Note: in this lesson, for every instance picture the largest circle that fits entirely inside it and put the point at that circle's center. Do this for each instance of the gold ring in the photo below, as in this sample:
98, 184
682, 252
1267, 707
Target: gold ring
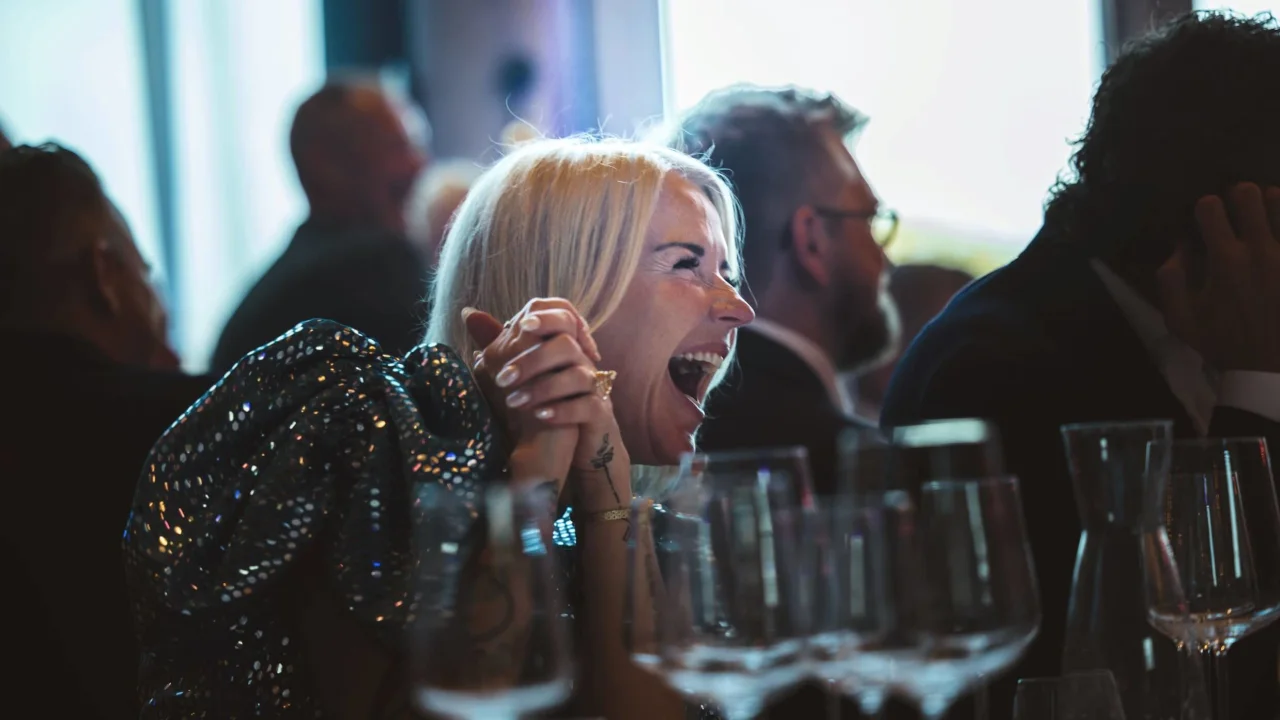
604, 383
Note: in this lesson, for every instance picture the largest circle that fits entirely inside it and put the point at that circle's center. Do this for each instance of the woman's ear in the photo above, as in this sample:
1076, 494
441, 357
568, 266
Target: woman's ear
810, 245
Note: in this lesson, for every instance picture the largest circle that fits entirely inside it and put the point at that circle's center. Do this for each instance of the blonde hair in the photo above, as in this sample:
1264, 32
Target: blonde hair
560, 218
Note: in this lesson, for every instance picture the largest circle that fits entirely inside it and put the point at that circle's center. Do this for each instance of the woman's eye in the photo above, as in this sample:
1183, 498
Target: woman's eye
689, 263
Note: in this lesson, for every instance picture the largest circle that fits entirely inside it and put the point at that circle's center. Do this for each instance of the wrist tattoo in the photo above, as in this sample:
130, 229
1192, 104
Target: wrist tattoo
601, 461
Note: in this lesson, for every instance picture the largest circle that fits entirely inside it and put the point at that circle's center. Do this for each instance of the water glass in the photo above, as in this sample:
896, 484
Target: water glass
490, 639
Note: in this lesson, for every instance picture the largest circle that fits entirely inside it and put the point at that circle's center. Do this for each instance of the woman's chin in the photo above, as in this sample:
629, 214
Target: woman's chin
670, 446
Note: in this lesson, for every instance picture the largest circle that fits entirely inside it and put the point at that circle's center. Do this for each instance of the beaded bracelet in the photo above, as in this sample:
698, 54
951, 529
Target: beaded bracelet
619, 513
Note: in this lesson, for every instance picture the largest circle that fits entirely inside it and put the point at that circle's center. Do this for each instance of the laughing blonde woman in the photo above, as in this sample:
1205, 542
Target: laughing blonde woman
586, 290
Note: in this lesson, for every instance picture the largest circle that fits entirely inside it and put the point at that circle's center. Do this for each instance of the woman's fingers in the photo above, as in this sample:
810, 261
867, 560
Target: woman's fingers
542, 324
553, 387
581, 330
557, 353
578, 410
481, 326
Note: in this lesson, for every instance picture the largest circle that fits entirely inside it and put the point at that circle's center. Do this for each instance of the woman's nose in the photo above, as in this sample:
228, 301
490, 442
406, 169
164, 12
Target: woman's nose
730, 308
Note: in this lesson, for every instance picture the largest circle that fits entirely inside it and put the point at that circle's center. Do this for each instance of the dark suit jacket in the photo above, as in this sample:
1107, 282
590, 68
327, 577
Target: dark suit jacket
1032, 346
372, 281
772, 398
77, 430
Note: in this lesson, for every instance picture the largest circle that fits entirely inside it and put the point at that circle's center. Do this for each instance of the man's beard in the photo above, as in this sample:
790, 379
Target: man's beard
873, 336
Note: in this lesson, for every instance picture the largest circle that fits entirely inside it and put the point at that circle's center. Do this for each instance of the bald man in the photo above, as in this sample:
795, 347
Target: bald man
90, 383
358, 151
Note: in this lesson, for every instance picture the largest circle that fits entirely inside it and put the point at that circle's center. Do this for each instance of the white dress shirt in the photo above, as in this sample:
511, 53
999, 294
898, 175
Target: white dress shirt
812, 355
1196, 386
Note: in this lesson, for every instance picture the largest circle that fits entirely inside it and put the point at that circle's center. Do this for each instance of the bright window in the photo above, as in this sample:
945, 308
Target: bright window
239, 68
1248, 7
972, 105
72, 71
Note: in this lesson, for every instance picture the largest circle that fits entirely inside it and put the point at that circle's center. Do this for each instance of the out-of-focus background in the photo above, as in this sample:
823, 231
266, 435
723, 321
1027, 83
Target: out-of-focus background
183, 106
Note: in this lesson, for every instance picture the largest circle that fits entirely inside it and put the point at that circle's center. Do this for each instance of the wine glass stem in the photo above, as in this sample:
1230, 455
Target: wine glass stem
935, 708
1217, 664
745, 709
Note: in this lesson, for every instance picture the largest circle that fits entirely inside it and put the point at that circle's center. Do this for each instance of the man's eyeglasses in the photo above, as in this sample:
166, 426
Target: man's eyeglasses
883, 223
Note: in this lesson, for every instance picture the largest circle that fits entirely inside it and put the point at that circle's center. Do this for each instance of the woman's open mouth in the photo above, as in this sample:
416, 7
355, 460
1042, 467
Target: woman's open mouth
692, 372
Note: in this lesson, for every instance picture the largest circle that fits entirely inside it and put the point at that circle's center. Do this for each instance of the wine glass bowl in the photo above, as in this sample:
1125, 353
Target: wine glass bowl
1211, 540
717, 601
852, 604
977, 602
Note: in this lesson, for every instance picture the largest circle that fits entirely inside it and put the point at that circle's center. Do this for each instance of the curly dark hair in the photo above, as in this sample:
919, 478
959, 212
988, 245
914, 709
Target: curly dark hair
1186, 111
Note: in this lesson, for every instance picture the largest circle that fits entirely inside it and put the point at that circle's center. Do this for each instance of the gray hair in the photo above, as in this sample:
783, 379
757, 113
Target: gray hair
769, 144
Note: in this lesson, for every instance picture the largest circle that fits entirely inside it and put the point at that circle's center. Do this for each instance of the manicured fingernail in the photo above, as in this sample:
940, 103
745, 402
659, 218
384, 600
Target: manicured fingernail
544, 413
467, 312
507, 375
517, 398
530, 323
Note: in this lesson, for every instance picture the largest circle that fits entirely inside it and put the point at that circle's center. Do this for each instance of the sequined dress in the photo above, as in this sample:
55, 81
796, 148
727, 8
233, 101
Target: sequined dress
316, 448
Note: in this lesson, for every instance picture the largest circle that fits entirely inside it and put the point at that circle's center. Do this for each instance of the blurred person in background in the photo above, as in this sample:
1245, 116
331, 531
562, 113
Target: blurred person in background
816, 272
1151, 291
920, 292
816, 275
358, 151
435, 197
92, 383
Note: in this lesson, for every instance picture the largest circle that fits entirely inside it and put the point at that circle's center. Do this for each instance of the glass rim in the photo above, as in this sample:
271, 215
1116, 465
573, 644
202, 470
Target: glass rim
1118, 424
1006, 480
933, 433
1209, 442
772, 451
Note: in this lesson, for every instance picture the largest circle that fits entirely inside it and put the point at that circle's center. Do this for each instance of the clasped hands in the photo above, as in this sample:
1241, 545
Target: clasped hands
538, 372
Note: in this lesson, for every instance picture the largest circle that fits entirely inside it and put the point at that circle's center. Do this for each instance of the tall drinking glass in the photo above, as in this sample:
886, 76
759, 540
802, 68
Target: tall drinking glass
1212, 547
489, 640
1106, 618
785, 470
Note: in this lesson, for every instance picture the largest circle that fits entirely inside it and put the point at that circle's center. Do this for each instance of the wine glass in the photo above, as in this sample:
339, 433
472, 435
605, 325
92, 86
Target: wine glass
784, 469
1090, 695
489, 639
905, 458
1212, 547
854, 608
908, 456
715, 605
977, 605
